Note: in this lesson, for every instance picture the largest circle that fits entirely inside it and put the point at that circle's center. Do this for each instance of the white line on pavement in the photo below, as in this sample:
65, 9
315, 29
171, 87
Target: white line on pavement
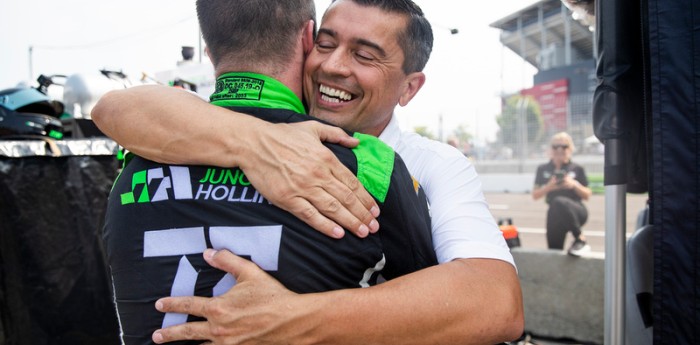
589, 233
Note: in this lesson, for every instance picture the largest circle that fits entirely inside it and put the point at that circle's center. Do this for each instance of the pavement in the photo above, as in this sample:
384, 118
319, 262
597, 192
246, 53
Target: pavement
530, 339
529, 217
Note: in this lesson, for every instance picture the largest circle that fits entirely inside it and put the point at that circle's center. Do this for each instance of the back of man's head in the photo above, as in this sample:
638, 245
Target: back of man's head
252, 32
416, 40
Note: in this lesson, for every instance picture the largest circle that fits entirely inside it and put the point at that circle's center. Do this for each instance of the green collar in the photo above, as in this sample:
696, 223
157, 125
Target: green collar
243, 89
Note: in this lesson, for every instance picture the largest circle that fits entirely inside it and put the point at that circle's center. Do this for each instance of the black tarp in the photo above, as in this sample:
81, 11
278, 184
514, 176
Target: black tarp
674, 45
54, 282
647, 114
620, 107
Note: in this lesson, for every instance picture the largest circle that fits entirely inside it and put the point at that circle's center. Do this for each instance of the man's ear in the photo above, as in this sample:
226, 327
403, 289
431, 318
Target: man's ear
412, 84
308, 36
206, 52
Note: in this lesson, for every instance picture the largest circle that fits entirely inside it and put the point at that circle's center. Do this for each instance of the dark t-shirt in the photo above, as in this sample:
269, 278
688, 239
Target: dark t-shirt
546, 171
160, 218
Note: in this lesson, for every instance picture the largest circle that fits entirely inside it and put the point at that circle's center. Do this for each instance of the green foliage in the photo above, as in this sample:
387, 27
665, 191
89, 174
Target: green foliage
511, 125
462, 134
596, 183
424, 131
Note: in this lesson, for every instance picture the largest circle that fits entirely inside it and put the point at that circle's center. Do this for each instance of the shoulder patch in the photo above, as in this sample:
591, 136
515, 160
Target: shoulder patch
375, 164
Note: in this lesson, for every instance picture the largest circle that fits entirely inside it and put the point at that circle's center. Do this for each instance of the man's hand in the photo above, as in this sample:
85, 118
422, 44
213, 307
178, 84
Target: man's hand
288, 164
431, 306
248, 313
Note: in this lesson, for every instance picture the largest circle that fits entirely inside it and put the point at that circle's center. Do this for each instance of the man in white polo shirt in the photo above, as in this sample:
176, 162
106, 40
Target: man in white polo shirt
354, 77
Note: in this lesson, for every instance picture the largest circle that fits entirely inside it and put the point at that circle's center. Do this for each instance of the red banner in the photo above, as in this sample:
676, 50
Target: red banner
553, 97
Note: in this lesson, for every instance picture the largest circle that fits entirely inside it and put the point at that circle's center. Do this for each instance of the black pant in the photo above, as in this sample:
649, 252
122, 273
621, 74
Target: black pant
564, 215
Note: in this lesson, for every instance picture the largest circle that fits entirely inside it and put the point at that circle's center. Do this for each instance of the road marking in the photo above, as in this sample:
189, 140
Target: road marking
588, 233
499, 206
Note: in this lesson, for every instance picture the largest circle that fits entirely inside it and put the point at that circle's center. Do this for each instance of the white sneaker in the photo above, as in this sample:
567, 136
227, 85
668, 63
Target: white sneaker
579, 247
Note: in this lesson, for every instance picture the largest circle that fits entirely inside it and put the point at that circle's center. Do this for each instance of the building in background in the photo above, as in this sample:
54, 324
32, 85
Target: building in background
557, 39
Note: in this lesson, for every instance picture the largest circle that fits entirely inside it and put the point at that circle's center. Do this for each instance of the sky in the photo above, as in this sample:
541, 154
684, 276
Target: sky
466, 72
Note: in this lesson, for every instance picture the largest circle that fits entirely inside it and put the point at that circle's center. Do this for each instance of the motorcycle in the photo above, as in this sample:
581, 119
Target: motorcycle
27, 112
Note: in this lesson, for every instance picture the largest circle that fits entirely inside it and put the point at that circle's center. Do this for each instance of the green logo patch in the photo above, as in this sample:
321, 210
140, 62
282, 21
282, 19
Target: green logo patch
238, 88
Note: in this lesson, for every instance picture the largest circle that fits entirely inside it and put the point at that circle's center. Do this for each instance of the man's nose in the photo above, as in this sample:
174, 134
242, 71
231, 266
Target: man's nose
337, 63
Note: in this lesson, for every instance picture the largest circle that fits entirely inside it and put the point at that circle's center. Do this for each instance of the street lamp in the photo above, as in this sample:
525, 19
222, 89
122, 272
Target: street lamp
31, 63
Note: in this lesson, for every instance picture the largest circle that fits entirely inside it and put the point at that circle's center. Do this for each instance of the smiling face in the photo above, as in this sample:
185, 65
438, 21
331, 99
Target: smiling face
353, 75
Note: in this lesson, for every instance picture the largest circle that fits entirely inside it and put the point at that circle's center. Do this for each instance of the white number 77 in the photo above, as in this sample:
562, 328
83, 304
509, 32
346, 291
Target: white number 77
261, 243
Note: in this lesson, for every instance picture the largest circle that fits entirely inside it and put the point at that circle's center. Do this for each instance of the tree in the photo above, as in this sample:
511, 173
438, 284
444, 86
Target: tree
513, 130
424, 131
462, 134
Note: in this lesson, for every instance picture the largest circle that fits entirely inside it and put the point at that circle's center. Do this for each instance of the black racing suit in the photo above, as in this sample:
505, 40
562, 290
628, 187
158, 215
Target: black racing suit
160, 218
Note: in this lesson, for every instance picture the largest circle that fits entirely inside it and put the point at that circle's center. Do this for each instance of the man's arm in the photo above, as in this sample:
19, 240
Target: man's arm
466, 301
285, 162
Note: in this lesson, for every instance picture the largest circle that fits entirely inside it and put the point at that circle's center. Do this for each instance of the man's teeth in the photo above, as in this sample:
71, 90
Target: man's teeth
329, 99
331, 92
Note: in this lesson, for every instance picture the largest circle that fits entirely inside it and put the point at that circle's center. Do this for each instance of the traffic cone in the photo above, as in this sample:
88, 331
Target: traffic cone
510, 232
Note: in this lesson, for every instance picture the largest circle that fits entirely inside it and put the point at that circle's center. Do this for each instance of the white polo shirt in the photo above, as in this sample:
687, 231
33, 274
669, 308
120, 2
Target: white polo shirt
463, 226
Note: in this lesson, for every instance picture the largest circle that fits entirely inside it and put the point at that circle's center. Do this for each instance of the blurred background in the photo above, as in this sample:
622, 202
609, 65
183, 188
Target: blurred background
501, 79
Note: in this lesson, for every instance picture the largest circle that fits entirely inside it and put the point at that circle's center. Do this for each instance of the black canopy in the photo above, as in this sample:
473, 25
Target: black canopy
647, 113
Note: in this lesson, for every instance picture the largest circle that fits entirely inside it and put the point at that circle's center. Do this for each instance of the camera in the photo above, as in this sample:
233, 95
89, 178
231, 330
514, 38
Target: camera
559, 176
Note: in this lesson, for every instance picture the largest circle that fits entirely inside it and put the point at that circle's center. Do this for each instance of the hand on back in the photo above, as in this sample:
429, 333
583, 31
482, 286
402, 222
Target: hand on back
288, 164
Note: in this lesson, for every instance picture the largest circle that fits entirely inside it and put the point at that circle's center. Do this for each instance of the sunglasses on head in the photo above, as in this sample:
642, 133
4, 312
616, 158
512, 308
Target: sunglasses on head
563, 147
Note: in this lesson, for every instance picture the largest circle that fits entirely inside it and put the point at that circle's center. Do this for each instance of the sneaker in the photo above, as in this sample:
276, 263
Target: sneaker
579, 247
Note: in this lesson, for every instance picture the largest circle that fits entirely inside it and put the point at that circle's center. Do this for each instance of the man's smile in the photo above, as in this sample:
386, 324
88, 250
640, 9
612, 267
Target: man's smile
332, 95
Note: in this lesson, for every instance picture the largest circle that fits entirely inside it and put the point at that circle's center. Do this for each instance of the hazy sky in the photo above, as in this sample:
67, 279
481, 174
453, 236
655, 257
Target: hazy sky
465, 74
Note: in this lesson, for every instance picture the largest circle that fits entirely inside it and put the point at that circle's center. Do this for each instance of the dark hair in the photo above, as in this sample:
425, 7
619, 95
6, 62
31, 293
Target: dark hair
416, 40
252, 31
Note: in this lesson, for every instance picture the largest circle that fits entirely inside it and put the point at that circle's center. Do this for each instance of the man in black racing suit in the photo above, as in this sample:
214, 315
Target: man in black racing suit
160, 218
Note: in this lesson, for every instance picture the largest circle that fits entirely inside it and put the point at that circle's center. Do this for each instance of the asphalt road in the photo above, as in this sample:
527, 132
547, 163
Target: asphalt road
529, 217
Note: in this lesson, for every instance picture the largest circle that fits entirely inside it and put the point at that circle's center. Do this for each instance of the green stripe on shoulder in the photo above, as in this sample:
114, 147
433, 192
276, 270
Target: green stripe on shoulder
375, 164
125, 157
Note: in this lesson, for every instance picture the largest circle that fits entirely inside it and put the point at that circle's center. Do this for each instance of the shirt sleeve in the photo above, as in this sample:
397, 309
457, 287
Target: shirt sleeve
539, 176
463, 226
581, 176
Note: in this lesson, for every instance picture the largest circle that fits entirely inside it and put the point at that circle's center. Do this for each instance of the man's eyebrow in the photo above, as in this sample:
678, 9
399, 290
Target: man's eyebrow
328, 32
372, 45
360, 41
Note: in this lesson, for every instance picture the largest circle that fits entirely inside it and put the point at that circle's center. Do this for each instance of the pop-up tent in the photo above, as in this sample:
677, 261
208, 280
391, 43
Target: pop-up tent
647, 113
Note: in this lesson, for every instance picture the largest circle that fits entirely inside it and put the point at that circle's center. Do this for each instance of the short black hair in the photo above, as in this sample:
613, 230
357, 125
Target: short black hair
252, 31
416, 41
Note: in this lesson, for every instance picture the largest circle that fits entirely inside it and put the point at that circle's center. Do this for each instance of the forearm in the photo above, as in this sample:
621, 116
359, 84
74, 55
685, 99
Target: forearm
467, 301
539, 191
287, 163
582, 191
169, 125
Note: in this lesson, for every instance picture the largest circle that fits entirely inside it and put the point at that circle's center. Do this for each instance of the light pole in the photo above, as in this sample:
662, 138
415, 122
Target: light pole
199, 41
31, 63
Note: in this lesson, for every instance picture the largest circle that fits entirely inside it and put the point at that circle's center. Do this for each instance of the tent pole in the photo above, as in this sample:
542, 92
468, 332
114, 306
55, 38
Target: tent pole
615, 242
